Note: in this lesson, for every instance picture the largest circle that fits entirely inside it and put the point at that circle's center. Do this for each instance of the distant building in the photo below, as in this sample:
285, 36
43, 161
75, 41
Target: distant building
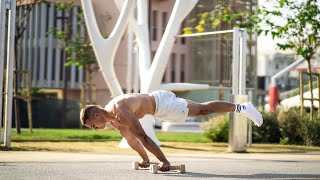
270, 64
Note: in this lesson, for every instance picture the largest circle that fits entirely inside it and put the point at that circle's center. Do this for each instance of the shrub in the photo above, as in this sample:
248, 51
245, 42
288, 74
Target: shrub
310, 131
217, 129
290, 122
284, 141
269, 131
297, 128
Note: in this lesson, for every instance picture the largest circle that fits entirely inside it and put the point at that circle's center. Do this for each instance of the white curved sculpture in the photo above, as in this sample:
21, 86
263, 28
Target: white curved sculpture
105, 49
150, 75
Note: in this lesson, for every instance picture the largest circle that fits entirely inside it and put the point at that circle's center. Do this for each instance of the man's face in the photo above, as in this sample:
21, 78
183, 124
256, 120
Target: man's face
96, 122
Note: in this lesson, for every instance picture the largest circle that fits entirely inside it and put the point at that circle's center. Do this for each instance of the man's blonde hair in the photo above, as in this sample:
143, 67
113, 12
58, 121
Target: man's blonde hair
87, 112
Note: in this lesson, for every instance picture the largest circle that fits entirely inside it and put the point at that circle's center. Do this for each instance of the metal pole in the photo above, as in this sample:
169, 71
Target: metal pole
2, 40
9, 81
250, 95
243, 63
238, 125
285, 70
206, 33
235, 62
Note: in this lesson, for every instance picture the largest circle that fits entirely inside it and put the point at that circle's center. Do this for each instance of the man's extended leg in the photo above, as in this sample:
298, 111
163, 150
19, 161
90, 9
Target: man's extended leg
247, 109
199, 109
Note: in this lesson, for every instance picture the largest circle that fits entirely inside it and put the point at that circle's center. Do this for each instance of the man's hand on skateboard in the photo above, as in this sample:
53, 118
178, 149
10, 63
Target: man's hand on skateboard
144, 163
164, 166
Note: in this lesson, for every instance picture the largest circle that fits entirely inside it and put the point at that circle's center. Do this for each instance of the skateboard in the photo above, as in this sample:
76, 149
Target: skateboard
153, 168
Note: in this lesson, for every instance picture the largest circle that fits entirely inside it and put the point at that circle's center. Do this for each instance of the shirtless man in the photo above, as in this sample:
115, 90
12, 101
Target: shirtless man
123, 113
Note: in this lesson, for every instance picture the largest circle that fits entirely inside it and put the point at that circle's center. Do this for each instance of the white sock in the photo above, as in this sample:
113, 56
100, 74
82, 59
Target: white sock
240, 107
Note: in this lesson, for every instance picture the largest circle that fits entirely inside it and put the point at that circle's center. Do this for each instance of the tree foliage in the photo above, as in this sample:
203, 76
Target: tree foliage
296, 23
224, 13
80, 52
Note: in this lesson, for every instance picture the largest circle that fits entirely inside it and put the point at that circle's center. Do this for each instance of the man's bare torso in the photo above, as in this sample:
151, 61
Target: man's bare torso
139, 104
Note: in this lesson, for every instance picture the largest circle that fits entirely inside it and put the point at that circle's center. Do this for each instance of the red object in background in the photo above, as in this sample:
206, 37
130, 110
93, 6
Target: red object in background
273, 98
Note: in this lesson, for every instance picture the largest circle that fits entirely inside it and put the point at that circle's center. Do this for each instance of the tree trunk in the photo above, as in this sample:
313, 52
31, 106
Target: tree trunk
311, 88
16, 100
65, 91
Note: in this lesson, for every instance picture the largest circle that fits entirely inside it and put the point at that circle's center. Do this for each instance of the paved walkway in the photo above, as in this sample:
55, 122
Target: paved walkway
59, 165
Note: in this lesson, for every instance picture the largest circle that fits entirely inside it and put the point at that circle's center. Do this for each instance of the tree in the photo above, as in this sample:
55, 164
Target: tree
297, 25
79, 52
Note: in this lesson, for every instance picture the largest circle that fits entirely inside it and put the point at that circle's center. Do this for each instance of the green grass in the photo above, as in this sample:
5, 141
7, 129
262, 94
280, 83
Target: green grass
182, 137
85, 135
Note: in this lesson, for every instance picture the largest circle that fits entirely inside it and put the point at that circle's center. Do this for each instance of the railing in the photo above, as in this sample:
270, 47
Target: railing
302, 99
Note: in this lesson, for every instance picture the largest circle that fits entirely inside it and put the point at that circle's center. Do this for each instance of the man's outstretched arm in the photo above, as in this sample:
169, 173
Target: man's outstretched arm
136, 129
135, 144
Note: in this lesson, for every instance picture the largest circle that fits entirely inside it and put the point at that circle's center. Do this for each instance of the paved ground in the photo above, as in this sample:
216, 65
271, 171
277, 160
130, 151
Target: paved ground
55, 165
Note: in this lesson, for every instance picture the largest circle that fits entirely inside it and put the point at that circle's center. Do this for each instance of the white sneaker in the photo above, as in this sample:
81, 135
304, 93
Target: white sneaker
251, 112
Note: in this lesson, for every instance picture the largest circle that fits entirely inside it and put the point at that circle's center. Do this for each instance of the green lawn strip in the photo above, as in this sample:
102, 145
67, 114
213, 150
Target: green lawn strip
182, 137
78, 135
75, 135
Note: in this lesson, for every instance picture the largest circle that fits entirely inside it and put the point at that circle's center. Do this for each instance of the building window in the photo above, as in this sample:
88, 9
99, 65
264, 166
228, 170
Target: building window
182, 68
173, 67
164, 21
154, 25
261, 83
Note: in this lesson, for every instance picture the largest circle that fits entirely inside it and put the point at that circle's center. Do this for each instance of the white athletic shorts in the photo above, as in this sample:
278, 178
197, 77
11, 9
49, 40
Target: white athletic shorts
169, 107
